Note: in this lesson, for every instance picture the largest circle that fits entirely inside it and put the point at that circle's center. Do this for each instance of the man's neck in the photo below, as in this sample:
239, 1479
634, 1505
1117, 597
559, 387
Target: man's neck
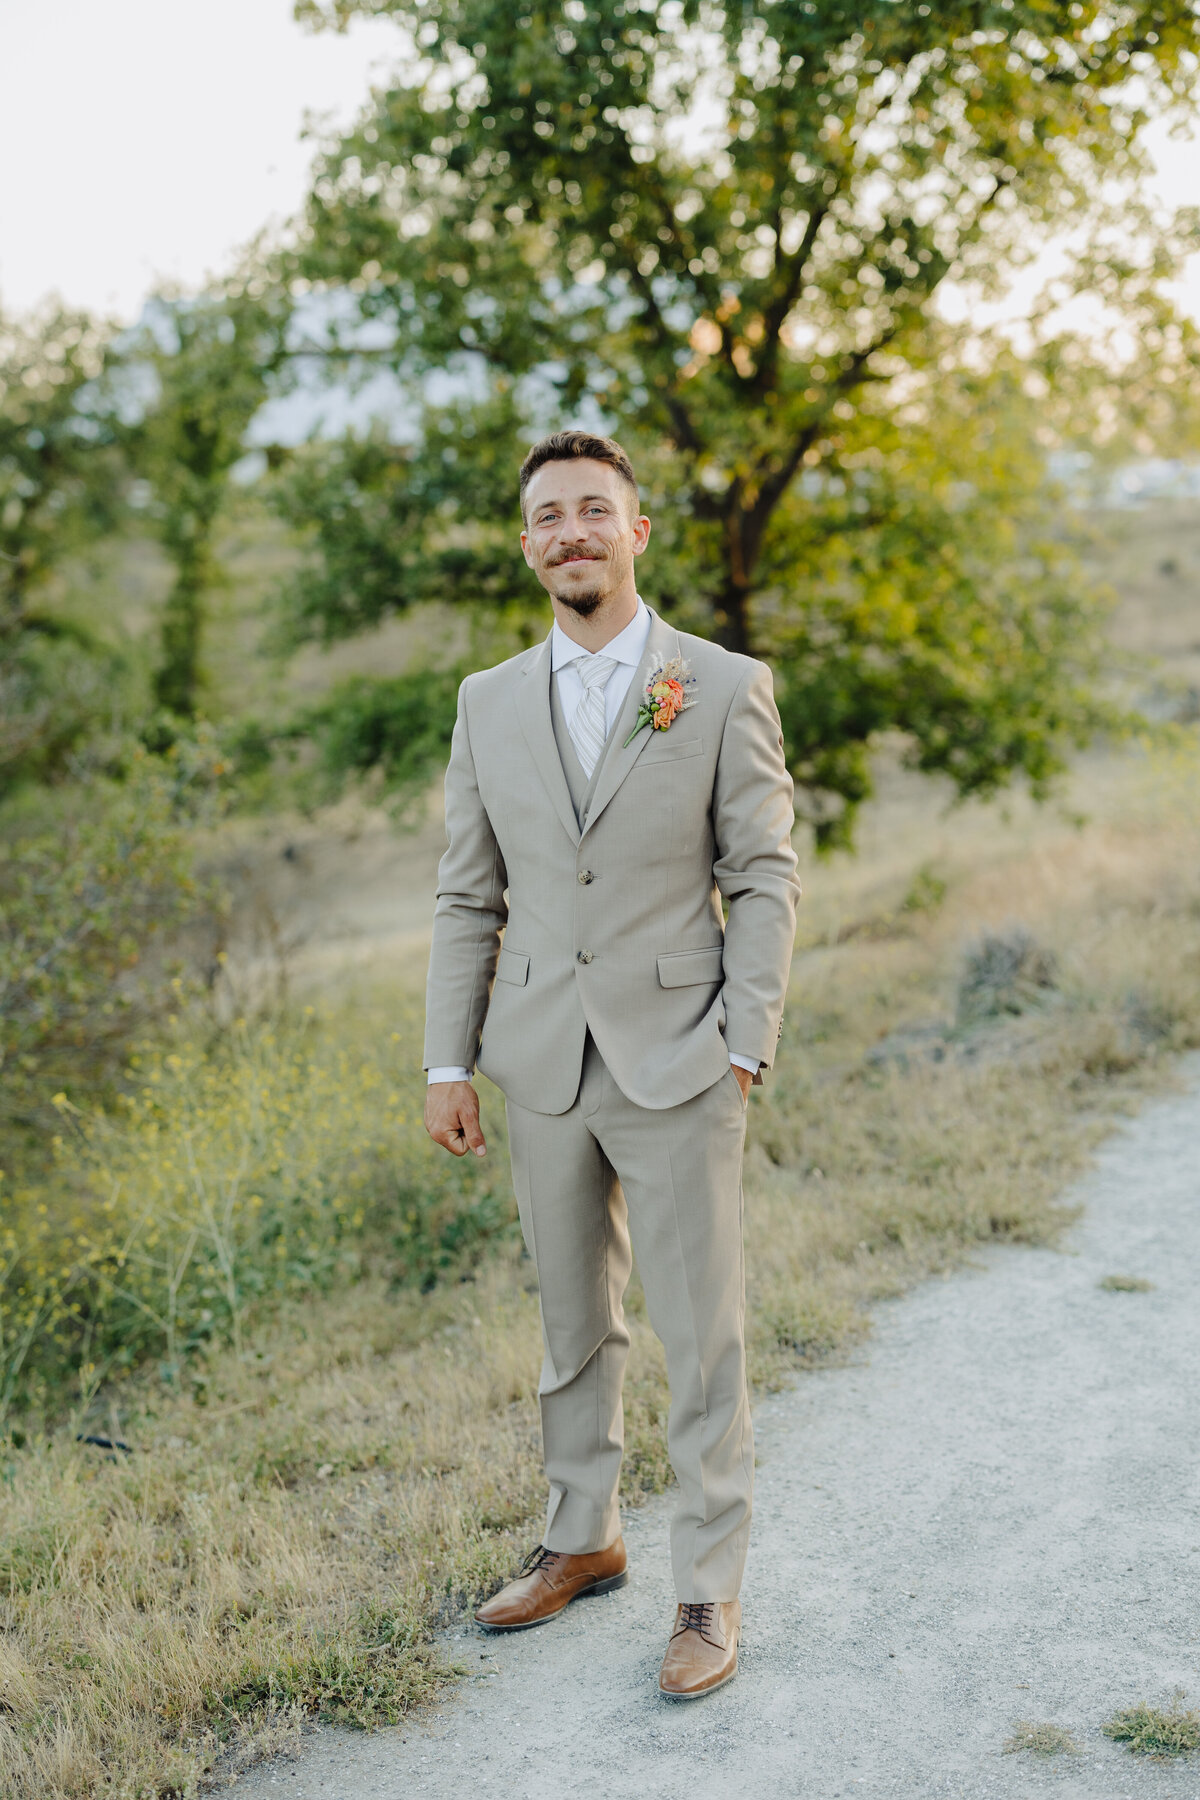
600, 627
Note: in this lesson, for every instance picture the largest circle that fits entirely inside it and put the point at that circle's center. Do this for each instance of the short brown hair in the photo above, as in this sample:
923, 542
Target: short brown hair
566, 446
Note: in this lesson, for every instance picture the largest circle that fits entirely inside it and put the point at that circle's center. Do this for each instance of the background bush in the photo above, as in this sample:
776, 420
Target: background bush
267, 1161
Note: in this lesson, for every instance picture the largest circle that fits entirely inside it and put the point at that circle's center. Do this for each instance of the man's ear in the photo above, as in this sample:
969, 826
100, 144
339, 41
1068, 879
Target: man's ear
525, 548
641, 534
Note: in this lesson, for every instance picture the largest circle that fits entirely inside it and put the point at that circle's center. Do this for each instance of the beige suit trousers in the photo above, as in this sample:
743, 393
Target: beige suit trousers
588, 1180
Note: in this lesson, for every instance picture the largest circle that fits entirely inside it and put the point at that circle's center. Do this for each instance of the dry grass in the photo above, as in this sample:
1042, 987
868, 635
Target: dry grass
297, 1515
1042, 1739
292, 1524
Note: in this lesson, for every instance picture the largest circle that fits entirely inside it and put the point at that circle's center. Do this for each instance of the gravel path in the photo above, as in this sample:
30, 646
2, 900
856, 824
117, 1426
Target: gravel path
993, 1515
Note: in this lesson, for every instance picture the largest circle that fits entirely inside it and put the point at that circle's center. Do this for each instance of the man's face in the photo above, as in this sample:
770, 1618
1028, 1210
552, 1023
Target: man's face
581, 532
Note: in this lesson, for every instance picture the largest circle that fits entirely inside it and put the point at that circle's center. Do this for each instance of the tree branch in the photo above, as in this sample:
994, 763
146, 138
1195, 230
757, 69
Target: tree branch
775, 315
686, 433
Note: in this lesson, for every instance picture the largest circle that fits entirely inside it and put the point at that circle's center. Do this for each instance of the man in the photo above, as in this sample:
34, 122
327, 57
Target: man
606, 792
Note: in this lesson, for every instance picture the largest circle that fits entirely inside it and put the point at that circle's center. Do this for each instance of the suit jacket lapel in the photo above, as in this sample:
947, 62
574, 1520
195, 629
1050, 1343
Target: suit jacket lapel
661, 645
533, 710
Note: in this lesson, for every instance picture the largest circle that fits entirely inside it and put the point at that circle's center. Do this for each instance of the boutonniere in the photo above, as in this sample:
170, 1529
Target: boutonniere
665, 697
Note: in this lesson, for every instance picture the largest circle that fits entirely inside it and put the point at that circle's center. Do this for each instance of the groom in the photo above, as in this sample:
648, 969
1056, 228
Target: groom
611, 945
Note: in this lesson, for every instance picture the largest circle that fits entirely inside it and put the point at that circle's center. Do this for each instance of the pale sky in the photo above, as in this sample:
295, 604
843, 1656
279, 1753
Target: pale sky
148, 139
143, 140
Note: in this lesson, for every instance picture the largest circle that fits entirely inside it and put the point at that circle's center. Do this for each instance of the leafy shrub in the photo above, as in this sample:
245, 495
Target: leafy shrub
926, 891
1004, 973
397, 729
87, 890
273, 1162
59, 693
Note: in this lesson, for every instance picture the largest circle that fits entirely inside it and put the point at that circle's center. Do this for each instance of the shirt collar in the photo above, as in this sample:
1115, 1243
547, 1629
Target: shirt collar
626, 647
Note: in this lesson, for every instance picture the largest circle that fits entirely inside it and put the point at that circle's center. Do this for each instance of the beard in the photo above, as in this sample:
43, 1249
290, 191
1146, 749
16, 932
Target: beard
582, 601
609, 571
584, 604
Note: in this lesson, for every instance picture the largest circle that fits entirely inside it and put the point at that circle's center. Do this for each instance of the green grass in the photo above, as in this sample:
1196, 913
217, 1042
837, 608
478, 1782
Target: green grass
1156, 1731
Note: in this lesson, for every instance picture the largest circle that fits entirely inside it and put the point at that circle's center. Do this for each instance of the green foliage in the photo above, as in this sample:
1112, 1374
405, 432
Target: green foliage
61, 488
396, 730
59, 477
63, 696
233, 1170
926, 891
370, 1671
720, 233
87, 892
932, 588
211, 360
391, 526
1156, 1731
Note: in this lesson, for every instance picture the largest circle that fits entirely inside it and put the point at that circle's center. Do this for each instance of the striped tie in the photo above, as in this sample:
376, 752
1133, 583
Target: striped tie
587, 727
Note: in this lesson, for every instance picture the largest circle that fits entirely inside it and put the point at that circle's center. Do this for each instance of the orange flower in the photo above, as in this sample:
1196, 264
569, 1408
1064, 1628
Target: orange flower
668, 699
665, 697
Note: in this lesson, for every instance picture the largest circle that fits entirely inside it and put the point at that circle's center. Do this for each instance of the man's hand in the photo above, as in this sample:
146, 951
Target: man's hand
744, 1078
452, 1117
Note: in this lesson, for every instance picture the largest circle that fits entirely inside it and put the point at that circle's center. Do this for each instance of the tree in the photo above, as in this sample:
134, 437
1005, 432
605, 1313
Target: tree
720, 232
211, 360
61, 488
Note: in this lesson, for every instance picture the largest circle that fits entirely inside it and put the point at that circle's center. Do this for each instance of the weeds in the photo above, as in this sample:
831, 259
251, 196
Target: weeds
277, 1162
1042, 1739
367, 1669
926, 891
91, 887
1156, 1731
1125, 1284
1006, 972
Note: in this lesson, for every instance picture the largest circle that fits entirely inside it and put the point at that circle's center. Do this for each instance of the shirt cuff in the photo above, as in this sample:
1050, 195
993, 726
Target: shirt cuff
745, 1062
454, 1073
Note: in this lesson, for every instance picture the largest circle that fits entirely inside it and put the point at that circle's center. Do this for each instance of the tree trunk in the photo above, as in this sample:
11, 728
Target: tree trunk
731, 611
177, 680
732, 625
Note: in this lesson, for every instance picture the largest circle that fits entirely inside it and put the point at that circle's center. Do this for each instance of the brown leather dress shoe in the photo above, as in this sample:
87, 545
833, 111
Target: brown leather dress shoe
548, 1581
703, 1652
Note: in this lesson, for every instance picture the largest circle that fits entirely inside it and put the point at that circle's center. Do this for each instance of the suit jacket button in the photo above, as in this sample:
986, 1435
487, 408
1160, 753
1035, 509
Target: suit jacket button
585, 875
583, 956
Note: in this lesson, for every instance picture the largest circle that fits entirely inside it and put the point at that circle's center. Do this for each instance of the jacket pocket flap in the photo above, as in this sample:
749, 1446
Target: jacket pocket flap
665, 747
687, 968
512, 967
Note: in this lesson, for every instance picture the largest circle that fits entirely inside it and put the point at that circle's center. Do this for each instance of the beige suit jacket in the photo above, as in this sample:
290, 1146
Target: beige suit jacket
546, 929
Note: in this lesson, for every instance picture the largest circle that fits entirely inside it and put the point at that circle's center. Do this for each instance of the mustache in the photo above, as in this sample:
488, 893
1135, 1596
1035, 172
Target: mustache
574, 556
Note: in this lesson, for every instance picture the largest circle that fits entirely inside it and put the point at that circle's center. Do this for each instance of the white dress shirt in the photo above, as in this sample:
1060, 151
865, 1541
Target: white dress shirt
628, 648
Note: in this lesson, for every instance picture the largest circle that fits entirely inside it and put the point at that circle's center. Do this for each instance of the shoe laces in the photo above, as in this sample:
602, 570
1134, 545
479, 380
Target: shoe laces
539, 1558
695, 1615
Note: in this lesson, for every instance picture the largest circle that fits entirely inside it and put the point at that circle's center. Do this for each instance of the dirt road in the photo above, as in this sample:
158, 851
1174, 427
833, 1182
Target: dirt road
993, 1515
